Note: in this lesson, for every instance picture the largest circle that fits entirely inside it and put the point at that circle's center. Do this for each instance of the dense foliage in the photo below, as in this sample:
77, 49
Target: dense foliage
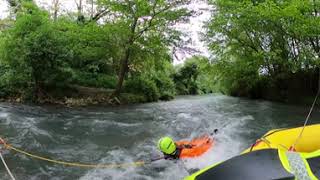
43, 53
195, 76
262, 49
34, 53
266, 48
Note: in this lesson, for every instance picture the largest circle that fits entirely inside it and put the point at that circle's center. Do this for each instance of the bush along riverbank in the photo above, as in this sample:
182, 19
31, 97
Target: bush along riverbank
266, 49
190, 78
260, 49
72, 59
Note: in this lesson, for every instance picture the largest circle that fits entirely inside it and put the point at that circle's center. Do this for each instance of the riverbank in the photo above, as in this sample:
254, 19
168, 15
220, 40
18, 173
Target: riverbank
81, 96
75, 96
301, 100
295, 88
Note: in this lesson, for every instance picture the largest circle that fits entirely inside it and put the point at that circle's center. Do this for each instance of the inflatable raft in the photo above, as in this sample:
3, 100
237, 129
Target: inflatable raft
198, 146
267, 164
269, 158
285, 138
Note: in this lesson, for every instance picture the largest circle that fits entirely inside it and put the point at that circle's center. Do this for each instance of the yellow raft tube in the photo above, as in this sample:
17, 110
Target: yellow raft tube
262, 162
285, 138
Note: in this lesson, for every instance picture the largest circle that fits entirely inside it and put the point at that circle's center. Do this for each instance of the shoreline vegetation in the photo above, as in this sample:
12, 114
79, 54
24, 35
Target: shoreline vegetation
122, 52
191, 78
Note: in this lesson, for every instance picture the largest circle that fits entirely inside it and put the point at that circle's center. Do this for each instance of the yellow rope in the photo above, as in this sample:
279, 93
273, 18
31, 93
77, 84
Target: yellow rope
7, 168
124, 165
263, 139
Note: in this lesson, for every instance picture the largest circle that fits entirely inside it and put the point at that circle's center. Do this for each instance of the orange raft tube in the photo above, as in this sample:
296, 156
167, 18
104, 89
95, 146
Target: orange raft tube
199, 146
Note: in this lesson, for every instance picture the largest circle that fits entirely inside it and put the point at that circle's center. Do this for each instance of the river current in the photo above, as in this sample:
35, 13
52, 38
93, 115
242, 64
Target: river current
127, 134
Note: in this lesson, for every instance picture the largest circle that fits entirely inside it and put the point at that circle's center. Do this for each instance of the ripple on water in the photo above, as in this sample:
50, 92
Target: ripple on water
183, 116
131, 133
108, 123
3, 115
5, 118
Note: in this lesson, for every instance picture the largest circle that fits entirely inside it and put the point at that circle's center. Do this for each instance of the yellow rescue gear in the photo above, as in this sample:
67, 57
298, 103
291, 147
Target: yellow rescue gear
281, 164
285, 138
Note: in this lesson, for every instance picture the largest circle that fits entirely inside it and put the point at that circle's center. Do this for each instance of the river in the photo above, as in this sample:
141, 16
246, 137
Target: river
129, 133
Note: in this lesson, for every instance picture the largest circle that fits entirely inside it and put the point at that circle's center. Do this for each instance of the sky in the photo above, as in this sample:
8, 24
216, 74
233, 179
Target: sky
192, 29
3, 9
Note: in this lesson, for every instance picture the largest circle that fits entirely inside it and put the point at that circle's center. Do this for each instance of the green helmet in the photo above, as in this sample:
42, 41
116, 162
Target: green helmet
167, 145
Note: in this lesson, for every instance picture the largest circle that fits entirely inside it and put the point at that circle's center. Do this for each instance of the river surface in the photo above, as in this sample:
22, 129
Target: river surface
125, 134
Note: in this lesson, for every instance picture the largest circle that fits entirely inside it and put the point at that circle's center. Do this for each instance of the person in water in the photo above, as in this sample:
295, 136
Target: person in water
170, 149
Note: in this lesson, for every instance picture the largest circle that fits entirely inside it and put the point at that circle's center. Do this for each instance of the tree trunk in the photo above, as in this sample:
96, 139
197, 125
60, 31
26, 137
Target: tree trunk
315, 45
122, 73
55, 9
38, 85
125, 61
80, 15
80, 7
315, 8
92, 3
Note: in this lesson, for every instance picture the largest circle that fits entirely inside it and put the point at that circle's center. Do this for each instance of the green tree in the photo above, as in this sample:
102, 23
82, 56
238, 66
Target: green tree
35, 52
143, 22
257, 39
194, 76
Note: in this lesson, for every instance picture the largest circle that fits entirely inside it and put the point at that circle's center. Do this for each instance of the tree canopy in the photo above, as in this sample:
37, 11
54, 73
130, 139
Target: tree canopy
263, 42
260, 48
44, 51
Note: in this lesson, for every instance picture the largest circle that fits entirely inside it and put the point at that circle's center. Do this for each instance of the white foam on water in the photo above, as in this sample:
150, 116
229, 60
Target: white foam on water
108, 138
183, 116
227, 145
3, 115
115, 157
101, 125
121, 124
5, 118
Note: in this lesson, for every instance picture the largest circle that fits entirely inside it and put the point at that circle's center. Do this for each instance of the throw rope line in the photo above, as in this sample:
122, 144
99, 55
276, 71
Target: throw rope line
292, 148
6, 166
65, 163
265, 140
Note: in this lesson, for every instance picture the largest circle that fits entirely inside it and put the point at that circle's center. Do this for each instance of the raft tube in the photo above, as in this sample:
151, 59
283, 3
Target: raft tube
264, 164
199, 145
285, 138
